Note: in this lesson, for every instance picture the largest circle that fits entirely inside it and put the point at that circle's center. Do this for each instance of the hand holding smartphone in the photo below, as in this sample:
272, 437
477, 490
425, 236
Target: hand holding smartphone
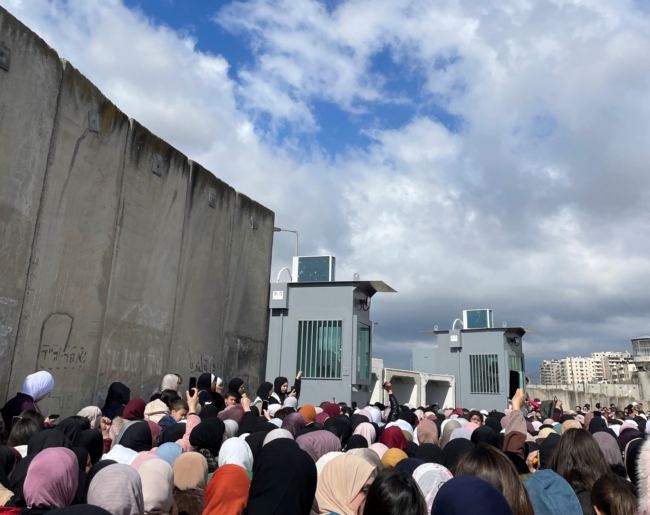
192, 385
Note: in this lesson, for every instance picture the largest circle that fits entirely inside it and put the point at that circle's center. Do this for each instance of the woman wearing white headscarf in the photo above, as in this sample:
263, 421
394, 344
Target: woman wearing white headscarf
232, 428
35, 388
235, 451
169, 382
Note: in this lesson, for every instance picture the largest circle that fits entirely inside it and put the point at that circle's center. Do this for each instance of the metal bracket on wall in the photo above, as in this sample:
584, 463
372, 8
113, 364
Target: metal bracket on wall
93, 121
5, 56
157, 166
253, 223
212, 199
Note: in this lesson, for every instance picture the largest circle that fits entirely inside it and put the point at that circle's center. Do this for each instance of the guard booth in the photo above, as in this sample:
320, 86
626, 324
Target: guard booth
487, 362
324, 329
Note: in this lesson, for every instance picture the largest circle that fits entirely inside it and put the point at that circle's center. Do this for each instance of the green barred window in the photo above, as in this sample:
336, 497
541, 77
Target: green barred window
319, 348
484, 373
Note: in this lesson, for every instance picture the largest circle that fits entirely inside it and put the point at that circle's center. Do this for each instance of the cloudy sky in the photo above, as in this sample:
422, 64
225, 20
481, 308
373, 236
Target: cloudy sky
470, 153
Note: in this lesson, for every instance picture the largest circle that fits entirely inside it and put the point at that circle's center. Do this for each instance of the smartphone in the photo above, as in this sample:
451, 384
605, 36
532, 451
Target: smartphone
52, 417
384, 384
354, 404
514, 384
265, 405
192, 385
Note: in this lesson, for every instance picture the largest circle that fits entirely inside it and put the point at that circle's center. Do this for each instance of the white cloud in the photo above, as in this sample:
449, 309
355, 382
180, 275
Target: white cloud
536, 206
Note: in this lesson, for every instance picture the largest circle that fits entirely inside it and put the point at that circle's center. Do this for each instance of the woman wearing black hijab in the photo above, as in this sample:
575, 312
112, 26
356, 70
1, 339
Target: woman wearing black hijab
137, 437
207, 394
411, 449
83, 458
357, 420
342, 426
486, 435
117, 397
256, 440
92, 441
284, 480
236, 386
453, 451
430, 453
7, 463
207, 438
264, 392
357, 442
72, 426
281, 389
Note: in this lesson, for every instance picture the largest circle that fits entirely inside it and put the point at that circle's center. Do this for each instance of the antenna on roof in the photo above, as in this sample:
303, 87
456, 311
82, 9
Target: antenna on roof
504, 324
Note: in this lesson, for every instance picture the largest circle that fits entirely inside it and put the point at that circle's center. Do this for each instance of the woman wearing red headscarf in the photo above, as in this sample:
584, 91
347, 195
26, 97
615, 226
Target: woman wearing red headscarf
393, 438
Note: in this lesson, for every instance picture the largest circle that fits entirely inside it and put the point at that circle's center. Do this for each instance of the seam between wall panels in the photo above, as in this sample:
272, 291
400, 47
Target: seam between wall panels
186, 219
224, 316
116, 232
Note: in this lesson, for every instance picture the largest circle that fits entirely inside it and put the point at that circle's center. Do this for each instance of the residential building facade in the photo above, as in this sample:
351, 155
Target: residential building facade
611, 367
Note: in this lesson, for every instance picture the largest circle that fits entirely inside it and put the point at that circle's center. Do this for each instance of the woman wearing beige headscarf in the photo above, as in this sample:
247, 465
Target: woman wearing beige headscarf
447, 428
190, 478
426, 432
92, 413
157, 487
343, 485
370, 456
570, 424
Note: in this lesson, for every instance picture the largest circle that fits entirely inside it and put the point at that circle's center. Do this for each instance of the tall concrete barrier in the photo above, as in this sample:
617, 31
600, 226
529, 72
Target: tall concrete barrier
146, 254
121, 260
28, 100
202, 292
581, 394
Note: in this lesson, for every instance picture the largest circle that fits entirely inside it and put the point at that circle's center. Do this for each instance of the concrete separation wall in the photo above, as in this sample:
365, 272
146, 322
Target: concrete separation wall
581, 394
120, 259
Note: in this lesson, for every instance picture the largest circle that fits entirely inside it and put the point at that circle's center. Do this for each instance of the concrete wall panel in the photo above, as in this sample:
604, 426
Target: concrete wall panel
138, 322
28, 97
201, 295
109, 272
67, 287
590, 393
246, 325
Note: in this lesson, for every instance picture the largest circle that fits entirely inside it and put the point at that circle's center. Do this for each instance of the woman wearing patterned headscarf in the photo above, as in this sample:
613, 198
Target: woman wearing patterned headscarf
117, 489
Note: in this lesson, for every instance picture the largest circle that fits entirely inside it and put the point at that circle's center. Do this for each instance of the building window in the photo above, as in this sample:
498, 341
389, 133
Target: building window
319, 348
484, 373
363, 351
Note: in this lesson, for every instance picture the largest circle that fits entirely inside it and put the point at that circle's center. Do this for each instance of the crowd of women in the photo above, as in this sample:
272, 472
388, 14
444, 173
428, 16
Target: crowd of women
218, 452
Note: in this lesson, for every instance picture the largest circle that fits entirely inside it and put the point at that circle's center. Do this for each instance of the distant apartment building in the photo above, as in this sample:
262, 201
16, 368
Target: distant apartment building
614, 367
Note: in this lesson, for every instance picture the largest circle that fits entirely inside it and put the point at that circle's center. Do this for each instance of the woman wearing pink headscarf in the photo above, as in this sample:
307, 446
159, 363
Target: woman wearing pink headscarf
366, 430
52, 479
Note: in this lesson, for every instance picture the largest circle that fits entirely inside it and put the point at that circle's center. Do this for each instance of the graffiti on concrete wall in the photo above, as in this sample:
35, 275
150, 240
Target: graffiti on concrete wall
7, 307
